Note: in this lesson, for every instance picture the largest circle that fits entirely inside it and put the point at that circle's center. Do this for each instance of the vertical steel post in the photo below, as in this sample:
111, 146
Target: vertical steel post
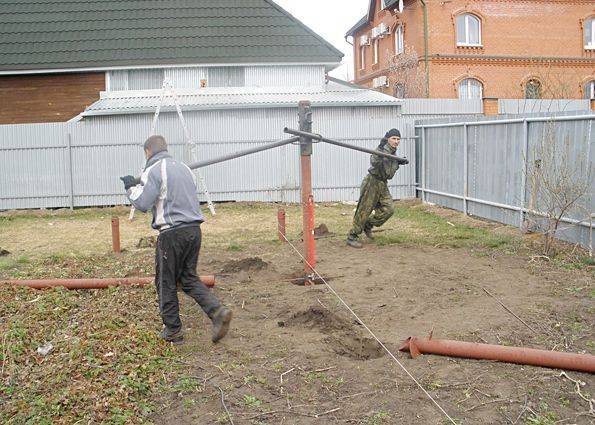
70, 177
525, 159
465, 168
116, 234
305, 121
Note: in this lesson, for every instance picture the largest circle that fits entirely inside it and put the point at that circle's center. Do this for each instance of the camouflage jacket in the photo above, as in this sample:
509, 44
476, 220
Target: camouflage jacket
384, 168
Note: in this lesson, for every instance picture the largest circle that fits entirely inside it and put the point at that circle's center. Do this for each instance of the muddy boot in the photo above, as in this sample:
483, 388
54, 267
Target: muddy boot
175, 338
221, 320
368, 232
354, 243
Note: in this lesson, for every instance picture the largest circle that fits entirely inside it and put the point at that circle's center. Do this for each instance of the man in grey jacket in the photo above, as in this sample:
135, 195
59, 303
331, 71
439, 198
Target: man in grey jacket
166, 185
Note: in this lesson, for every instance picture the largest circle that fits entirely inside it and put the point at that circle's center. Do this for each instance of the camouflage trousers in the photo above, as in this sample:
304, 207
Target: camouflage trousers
374, 196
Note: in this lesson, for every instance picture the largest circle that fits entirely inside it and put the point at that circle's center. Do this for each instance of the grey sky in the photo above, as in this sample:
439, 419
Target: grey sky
330, 19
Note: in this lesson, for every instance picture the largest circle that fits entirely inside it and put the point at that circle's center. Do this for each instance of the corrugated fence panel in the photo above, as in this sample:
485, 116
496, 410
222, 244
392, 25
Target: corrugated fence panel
496, 166
530, 106
34, 170
442, 106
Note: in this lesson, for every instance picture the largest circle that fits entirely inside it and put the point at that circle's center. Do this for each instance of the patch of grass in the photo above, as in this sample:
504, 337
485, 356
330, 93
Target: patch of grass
251, 401
417, 226
106, 360
538, 419
434, 385
378, 418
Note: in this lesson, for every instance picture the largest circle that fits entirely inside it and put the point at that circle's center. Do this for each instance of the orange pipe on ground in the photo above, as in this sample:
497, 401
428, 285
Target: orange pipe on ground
518, 355
208, 280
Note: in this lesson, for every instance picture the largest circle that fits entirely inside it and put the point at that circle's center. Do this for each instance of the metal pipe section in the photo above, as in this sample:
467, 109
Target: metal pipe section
510, 121
518, 355
305, 122
208, 280
342, 144
503, 206
116, 235
200, 164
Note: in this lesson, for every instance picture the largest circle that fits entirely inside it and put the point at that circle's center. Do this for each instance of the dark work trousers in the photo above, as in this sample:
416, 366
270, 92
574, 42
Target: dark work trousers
176, 257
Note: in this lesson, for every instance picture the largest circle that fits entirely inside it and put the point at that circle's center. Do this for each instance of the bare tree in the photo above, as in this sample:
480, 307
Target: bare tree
559, 180
405, 75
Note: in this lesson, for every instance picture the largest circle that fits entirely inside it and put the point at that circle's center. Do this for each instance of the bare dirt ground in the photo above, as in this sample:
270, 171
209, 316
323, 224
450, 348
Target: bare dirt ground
294, 354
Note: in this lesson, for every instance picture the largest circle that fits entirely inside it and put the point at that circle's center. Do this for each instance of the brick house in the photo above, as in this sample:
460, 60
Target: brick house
56, 57
482, 48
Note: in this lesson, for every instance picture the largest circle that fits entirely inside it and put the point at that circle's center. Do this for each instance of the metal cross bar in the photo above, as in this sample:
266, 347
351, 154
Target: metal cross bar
239, 154
342, 144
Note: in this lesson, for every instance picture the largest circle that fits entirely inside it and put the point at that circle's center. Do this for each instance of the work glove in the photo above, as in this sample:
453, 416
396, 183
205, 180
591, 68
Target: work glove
403, 161
129, 181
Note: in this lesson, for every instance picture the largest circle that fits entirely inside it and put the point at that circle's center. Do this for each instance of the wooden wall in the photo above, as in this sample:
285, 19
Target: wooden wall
47, 97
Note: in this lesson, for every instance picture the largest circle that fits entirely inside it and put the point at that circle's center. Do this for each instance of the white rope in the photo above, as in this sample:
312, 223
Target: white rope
368, 329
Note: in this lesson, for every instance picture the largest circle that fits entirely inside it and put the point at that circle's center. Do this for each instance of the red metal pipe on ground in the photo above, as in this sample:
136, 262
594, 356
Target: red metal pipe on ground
281, 224
208, 280
518, 355
116, 234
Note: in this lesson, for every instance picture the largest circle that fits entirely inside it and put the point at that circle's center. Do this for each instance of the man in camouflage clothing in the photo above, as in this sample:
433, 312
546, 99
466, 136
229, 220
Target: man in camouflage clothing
374, 193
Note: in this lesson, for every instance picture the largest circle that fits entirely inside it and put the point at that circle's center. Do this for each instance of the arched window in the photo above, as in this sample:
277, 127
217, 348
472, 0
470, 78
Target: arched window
399, 43
590, 33
470, 88
590, 90
533, 89
468, 30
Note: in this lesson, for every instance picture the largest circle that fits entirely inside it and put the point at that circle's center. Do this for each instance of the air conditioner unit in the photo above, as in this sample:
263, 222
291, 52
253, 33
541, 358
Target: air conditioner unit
383, 29
375, 32
380, 82
364, 40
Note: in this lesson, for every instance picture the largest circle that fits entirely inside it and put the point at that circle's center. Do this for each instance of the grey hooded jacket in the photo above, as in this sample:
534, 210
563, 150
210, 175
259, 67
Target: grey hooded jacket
167, 186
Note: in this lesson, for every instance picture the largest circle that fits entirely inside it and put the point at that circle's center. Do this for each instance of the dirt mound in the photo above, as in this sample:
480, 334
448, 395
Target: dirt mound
355, 347
343, 336
324, 320
245, 264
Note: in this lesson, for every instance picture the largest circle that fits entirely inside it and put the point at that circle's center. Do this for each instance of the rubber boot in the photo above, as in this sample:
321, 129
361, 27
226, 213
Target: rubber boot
175, 338
354, 243
221, 320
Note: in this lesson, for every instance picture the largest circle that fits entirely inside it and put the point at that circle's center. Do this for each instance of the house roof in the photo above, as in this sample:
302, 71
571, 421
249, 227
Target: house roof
334, 93
63, 35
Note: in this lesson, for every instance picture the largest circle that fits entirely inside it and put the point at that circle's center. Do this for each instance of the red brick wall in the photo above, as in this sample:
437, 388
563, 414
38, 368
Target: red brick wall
523, 29
47, 97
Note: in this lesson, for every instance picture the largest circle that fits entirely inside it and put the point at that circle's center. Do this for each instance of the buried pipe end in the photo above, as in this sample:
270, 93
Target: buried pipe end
410, 346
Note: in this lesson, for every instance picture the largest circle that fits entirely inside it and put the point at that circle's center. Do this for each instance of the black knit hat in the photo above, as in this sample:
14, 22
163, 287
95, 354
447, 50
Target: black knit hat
392, 133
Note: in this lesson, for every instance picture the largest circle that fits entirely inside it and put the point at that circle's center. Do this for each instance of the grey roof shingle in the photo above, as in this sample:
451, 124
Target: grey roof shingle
63, 34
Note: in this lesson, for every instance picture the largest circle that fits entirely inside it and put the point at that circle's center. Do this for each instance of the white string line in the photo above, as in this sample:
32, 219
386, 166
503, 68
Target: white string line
368, 329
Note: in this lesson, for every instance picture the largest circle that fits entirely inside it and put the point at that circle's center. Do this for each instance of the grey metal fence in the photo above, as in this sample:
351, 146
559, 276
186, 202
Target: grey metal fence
481, 166
78, 164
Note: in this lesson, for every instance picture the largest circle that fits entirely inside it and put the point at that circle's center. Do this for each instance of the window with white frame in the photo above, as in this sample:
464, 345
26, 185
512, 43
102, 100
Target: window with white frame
470, 88
376, 50
590, 33
399, 44
468, 30
362, 56
590, 90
